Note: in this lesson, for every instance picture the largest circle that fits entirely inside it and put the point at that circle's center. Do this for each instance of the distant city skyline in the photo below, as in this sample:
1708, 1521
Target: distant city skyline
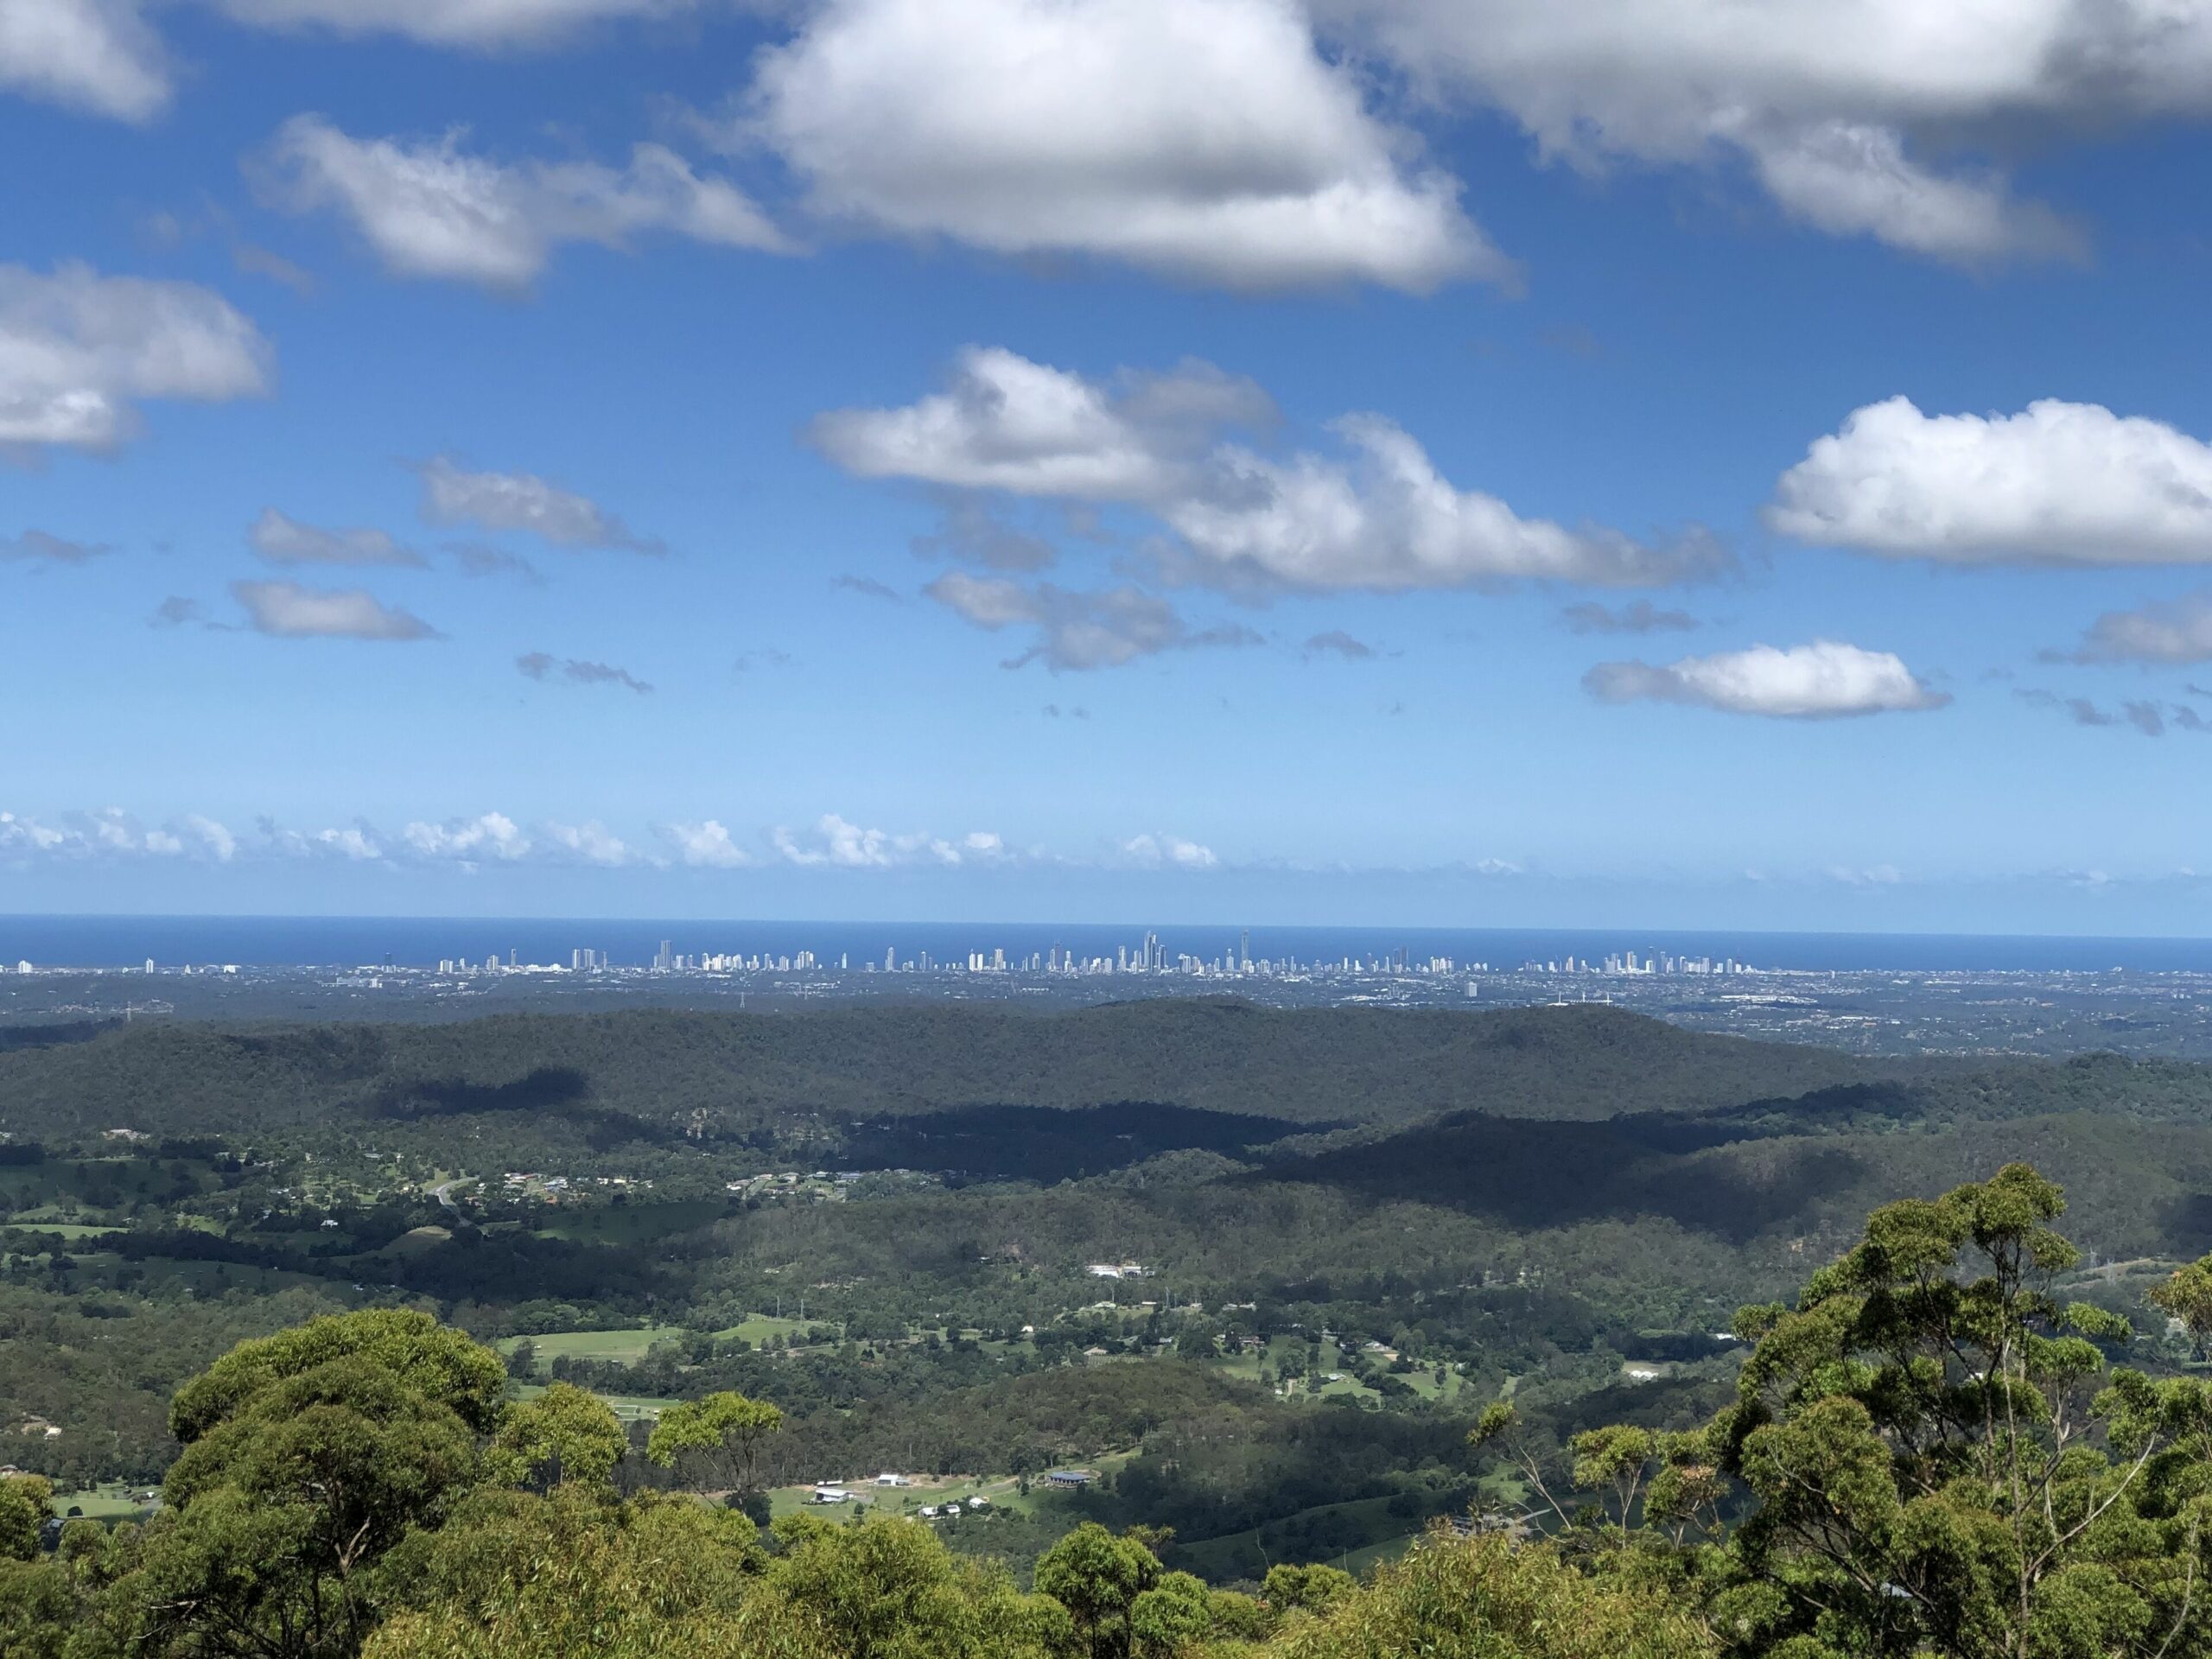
1741, 469
633, 948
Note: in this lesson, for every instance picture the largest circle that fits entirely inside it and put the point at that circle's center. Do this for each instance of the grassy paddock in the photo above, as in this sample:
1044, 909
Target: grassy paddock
626, 1347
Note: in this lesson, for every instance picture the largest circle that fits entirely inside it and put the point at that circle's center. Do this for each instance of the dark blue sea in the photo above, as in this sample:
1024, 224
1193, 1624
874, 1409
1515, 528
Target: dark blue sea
340, 941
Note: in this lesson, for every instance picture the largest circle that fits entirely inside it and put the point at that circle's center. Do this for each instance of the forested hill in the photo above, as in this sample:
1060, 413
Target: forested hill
723, 1071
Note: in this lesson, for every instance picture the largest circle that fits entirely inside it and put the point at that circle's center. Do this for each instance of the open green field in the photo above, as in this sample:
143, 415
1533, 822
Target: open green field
109, 1502
1004, 1491
1422, 1380
60, 1228
1295, 1350
906, 1500
625, 1347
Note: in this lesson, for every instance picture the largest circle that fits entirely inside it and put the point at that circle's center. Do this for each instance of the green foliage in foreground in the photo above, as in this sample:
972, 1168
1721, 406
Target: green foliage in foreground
1928, 1454
1931, 1454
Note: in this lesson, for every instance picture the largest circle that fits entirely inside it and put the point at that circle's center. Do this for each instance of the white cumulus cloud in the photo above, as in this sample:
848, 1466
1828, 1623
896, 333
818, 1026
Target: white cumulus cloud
292, 612
1825, 680
88, 54
1168, 852
707, 845
1372, 514
594, 844
1004, 423
1848, 178
428, 208
1206, 139
1875, 117
2058, 483
221, 845
80, 351
20, 835
835, 843
112, 832
1385, 519
489, 836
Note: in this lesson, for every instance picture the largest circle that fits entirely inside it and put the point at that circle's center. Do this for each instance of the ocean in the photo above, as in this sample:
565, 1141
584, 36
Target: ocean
97, 942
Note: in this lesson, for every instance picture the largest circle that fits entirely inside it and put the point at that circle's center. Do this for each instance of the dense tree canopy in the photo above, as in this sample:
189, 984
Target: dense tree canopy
1928, 1451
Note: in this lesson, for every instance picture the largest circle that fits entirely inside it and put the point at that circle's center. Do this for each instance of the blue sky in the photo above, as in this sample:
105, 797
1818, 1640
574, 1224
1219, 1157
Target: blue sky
1478, 463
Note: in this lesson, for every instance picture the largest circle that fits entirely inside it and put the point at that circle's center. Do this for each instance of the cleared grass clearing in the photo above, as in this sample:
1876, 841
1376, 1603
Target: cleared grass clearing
625, 1347
1004, 1491
62, 1229
111, 1500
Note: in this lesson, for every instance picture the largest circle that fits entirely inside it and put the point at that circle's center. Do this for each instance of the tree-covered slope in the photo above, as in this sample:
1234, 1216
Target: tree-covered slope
651, 1071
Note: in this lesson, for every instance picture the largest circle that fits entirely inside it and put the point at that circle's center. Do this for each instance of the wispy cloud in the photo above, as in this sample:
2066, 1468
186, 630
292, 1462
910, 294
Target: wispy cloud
971, 533
253, 260
543, 665
177, 611
1074, 630
428, 208
281, 539
2150, 718
1337, 643
2171, 631
36, 547
1638, 616
526, 502
479, 559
